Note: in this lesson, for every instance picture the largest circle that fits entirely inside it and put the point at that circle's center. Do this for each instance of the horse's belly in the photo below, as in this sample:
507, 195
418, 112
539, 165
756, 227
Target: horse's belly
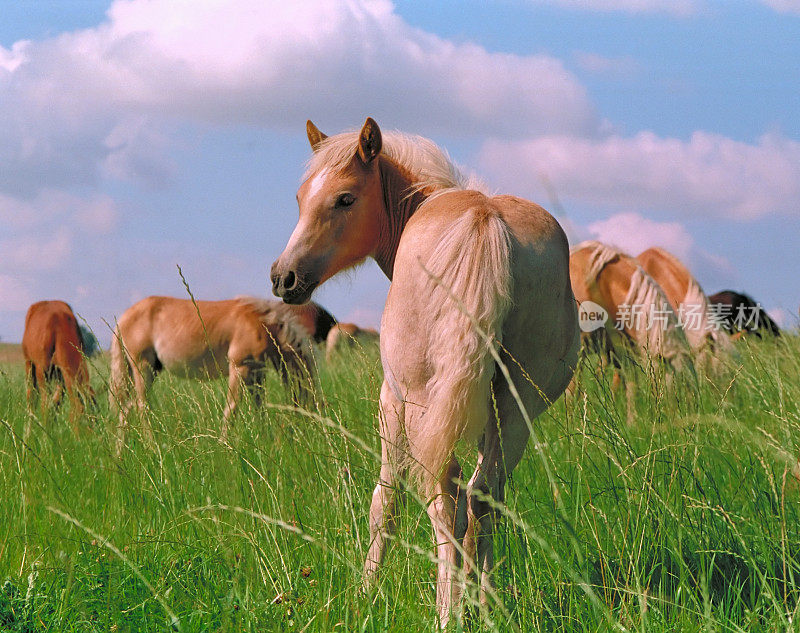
192, 361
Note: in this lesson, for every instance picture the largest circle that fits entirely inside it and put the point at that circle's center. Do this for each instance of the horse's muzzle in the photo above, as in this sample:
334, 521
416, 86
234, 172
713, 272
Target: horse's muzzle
291, 286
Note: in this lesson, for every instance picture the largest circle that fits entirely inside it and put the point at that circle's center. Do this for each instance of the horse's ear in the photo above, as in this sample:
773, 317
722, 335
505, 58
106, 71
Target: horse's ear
315, 137
369, 141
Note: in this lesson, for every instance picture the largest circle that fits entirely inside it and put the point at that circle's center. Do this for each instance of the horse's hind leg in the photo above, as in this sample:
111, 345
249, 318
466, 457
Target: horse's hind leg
448, 515
501, 451
31, 385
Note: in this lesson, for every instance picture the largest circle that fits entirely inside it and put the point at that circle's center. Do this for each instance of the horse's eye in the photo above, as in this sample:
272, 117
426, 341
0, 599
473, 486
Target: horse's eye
345, 200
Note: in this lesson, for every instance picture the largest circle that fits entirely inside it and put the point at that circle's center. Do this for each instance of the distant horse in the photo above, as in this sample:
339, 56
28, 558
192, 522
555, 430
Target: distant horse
685, 296
315, 319
237, 338
347, 335
54, 351
467, 271
739, 314
632, 299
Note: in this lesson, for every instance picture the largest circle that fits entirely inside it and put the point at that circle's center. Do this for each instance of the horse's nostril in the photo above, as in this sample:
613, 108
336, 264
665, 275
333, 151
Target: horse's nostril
290, 280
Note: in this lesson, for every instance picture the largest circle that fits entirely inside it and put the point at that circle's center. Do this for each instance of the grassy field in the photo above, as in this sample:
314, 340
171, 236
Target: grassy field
686, 520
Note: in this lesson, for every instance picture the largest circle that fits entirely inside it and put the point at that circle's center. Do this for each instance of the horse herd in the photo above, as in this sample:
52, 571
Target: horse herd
480, 331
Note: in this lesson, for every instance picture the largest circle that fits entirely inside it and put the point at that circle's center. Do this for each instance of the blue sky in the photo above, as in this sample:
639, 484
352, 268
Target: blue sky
143, 135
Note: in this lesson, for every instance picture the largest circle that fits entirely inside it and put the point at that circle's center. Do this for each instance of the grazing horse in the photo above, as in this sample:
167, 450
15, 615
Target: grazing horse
54, 350
205, 339
632, 299
685, 296
739, 314
316, 320
469, 273
347, 335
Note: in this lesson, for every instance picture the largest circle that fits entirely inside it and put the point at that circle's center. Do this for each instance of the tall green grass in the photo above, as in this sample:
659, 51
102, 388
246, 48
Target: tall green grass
685, 520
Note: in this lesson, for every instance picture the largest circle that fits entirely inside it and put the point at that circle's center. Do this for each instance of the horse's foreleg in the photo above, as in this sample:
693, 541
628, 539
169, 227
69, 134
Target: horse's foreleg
384, 497
237, 374
143, 376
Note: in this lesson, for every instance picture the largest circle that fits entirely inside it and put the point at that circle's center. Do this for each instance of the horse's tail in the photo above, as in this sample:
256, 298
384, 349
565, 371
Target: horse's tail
470, 294
120, 372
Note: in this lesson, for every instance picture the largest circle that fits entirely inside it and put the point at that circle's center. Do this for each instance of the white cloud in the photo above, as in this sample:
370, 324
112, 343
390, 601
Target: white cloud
679, 8
93, 103
708, 175
633, 233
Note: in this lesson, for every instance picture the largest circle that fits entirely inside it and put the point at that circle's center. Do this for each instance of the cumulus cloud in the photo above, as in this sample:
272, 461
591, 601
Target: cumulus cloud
634, 233
708, 175
92, 104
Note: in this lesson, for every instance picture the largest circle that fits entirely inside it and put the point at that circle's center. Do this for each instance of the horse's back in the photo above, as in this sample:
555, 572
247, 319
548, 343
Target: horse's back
194, 337
673, 277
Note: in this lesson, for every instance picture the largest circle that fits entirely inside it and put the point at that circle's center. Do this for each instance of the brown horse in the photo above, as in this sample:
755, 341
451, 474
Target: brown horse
237, 338
740, 315
54, 351
467, 271
686, 298
347, 335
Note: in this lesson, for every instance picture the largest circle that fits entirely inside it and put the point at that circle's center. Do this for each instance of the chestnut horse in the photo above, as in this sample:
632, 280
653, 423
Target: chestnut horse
347, 335
686, 298
468, 272
632, 299
54, 351
205, 339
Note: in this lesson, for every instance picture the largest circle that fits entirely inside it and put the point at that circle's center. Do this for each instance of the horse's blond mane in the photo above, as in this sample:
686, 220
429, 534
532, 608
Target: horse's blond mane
658, 330
694, 297
429, 164
600, 255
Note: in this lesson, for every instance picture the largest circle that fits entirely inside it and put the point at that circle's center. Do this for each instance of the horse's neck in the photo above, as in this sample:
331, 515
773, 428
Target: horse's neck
400, 202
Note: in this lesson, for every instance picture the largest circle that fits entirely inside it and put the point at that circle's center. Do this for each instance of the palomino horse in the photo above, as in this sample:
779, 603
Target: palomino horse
347, 335
686, 298
53, 348
206, 339
466, 271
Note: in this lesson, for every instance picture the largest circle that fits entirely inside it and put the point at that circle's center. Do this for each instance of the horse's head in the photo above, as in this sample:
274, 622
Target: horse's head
339, 220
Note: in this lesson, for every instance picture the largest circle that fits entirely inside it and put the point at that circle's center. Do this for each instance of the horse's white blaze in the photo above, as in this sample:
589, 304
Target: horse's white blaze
317, 183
